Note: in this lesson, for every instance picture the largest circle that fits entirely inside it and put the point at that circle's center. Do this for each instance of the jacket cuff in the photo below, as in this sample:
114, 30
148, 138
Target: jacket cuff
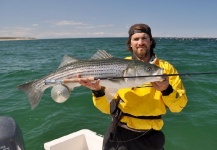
167, 91
100, 92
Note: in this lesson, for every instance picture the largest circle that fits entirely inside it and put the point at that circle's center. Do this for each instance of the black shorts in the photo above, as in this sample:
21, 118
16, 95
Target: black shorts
130, 140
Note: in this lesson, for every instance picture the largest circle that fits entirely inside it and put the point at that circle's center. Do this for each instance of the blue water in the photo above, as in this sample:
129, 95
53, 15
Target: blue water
195, 128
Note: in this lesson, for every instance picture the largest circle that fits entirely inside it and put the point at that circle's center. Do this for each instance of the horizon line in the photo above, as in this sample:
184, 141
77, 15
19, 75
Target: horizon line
33, 38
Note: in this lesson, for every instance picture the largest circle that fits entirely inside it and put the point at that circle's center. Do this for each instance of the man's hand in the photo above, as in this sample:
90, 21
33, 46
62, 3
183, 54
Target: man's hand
93, 85
161, 85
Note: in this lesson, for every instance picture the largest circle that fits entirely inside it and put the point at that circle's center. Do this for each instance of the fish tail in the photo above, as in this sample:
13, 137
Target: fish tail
33, 93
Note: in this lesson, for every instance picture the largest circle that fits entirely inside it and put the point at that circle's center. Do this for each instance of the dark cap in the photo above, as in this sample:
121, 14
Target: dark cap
140, 28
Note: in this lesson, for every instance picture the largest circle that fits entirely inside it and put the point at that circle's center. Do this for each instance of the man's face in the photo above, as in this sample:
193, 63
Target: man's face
141, 43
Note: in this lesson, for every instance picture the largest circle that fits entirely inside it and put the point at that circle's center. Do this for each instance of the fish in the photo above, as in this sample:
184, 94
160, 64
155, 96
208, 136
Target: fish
114, 73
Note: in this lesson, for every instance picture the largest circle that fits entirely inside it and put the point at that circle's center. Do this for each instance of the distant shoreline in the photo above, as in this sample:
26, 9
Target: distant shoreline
30, 38
15, 38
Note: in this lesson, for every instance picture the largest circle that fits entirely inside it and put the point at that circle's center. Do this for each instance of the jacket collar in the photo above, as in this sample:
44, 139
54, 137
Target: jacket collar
153, 60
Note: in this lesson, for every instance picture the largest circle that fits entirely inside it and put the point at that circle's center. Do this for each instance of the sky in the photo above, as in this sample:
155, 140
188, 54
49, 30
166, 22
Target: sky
47, 19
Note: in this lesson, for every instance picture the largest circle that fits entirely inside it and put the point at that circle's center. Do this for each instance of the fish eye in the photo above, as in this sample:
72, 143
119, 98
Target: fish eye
148, 68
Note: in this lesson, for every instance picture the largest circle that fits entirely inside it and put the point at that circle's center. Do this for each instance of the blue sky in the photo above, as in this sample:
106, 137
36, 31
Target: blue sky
107, 18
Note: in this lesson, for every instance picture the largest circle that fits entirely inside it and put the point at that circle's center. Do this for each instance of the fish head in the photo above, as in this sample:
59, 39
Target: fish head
150, 73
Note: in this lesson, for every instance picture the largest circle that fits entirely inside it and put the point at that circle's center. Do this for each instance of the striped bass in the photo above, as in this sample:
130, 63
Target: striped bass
113, 73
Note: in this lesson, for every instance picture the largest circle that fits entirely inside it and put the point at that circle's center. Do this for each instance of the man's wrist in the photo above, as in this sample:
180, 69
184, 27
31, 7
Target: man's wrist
99, 93
167, 91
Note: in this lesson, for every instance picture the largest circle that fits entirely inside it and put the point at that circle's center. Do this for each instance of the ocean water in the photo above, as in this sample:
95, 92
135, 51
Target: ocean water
195, 128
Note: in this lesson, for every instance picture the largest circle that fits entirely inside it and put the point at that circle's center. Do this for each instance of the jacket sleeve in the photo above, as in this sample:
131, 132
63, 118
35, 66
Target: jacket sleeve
101, 101
176, 100
102, 104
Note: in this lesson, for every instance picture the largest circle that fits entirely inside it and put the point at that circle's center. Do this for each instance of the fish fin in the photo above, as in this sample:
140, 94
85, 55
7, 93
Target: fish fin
33, 93
67, 60
101, 54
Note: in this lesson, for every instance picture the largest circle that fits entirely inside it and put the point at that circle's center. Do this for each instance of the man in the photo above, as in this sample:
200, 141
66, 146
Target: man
137, 111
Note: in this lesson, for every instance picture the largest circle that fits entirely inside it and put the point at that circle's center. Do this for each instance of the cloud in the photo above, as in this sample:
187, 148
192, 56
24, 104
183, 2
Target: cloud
35, 25
64, 23
99, 33
16, 32
76, 24
85, 27
105, 26
97, 26
60, 29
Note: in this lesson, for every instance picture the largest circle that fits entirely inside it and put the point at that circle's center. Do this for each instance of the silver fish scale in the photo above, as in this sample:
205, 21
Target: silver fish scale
102, 69
92, 68
111, 67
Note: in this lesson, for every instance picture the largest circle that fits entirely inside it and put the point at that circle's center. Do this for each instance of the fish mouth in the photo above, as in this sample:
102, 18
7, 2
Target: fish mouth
159, 74
162, 73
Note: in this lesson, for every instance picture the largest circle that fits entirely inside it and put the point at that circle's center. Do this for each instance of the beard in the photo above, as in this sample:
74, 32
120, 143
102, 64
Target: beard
142, 53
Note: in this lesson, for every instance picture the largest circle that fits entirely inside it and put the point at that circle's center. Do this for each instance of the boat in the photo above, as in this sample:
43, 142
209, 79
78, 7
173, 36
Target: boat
11, 138
84, 139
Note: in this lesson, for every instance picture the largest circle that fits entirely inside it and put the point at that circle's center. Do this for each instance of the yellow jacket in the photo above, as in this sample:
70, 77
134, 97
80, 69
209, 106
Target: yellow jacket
146, 101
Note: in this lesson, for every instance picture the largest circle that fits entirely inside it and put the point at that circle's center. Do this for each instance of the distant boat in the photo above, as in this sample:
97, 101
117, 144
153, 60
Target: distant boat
81, 140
